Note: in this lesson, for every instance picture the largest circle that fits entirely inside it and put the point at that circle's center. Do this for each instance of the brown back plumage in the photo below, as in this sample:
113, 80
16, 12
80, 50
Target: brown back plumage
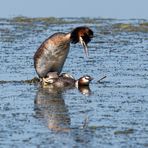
52, 53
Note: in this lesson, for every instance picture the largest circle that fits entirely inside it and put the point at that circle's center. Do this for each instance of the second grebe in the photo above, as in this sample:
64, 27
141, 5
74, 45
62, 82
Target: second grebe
66, 80
52, 53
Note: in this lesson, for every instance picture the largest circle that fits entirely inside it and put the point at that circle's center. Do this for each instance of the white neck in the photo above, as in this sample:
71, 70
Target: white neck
76, 84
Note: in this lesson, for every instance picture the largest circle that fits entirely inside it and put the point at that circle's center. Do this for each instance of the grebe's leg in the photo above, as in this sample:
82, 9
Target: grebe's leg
50, 78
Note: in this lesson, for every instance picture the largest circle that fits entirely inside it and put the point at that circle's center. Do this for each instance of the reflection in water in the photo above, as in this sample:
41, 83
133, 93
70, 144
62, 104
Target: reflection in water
50, 105
85, 90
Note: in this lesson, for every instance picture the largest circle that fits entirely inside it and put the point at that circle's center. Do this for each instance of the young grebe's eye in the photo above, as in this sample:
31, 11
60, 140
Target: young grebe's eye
87, 77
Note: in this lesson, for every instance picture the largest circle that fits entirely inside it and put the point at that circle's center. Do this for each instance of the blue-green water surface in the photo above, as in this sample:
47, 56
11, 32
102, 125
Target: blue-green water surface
113, 113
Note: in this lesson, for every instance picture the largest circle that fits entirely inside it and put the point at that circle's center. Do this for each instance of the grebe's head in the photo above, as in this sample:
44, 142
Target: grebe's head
85, 80
82, 35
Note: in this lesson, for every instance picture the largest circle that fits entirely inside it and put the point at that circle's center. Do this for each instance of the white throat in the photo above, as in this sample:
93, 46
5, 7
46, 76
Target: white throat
76, 84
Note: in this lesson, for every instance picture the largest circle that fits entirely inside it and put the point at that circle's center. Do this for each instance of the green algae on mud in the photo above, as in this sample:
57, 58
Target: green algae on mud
49, 20
55, 20
144, 24
30, 81
124, 132
142, 27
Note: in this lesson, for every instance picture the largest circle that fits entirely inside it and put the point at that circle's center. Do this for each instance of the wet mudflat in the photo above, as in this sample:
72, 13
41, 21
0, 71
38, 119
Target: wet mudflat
111, 113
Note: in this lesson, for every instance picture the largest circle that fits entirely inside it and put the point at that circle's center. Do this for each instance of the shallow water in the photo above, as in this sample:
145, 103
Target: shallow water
113, 113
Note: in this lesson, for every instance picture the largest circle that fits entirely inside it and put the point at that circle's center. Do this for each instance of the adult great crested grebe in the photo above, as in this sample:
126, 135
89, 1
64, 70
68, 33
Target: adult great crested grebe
52, 53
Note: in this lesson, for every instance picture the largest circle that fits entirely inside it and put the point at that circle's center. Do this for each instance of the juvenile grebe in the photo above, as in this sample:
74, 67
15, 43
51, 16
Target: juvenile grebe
52, 53
66, 80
